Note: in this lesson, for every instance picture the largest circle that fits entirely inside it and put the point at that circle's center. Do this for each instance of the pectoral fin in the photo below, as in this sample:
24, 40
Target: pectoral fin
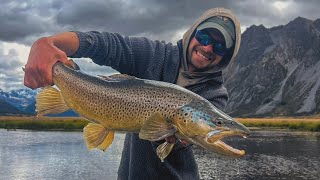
156, 128
50, 101
97, 136
164, 149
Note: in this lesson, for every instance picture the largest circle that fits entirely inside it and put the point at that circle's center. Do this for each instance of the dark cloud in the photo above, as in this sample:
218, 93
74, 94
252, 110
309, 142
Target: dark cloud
134, 17
275, 13
25, 21
21, 19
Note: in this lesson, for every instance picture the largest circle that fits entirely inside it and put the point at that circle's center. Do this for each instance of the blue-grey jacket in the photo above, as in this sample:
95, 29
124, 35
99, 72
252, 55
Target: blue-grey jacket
160, 61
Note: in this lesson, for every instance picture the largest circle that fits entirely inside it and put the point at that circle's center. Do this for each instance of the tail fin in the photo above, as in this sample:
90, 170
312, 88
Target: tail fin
50, 101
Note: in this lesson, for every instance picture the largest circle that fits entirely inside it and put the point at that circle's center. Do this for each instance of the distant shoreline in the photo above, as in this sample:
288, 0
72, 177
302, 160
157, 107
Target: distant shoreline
77, 123
304, 124
43, 123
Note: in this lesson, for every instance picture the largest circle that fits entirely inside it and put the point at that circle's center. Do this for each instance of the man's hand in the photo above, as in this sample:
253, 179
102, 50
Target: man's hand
43, 55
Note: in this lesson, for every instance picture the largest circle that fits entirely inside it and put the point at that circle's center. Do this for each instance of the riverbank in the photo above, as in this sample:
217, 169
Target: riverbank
304, 124
43, 123
77, 123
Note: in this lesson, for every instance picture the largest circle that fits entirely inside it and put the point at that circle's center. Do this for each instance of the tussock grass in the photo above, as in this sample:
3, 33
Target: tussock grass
307, 124
77, 123
42, 123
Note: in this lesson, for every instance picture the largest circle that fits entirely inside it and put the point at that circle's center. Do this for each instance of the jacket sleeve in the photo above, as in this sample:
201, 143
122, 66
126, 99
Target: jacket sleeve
129, 55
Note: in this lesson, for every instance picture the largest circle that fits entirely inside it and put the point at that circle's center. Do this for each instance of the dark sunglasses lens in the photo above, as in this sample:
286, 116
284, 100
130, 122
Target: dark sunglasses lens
219, 48
203, 38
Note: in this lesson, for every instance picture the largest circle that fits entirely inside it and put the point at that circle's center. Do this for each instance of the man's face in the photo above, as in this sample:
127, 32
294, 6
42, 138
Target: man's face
203, 57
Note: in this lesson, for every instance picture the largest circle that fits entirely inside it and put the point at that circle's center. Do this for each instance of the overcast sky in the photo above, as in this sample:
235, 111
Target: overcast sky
23, 22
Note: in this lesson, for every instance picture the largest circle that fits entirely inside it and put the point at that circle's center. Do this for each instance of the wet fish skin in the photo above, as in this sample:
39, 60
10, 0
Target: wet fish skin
153, 109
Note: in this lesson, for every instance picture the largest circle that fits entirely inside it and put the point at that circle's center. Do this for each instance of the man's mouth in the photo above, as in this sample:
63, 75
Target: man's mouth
203, 55
214, 137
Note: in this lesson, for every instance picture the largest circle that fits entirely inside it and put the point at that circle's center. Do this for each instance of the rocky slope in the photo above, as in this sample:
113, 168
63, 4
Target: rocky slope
277, 71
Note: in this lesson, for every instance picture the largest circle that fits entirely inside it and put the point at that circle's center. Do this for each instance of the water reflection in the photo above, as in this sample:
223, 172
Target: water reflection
63, 155
270, 155
55, 155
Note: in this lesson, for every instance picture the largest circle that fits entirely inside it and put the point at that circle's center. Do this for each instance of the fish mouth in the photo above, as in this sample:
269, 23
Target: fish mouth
214, 139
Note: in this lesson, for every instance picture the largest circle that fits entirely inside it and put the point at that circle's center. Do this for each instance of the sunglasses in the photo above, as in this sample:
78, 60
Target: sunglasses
205, 39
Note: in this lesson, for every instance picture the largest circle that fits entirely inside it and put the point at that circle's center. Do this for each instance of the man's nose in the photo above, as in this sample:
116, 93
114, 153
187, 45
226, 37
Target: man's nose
208, 48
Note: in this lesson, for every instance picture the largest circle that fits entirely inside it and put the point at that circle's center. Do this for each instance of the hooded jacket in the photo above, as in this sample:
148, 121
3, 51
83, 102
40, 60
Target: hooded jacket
160, 61
189, 78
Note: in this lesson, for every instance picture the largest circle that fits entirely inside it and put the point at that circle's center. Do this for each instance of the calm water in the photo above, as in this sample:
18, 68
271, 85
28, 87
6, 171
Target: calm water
63, 155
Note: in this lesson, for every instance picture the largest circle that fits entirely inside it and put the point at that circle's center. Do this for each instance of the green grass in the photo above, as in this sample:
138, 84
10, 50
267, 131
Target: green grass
46, 123
76, 123
287, 123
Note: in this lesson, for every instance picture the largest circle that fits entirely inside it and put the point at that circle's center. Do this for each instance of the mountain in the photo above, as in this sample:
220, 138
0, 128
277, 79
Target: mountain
21, 99
22, 102
277, 71
8, 109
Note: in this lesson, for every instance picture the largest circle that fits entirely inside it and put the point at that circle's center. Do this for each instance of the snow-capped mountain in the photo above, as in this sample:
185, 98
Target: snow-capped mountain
277, 71
21, 99
22, 102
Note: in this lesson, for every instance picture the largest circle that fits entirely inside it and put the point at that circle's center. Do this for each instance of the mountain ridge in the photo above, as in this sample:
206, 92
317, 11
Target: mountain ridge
275, 72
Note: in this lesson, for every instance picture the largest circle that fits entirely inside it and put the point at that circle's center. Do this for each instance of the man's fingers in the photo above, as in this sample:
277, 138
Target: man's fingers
62, 57
39, 76
29, 81
44, 75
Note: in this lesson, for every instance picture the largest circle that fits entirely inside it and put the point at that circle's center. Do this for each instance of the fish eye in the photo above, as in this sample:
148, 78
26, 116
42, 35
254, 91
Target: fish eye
232, 122
219, 121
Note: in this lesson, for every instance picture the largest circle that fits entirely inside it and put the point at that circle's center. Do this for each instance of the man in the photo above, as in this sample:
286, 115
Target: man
196, 62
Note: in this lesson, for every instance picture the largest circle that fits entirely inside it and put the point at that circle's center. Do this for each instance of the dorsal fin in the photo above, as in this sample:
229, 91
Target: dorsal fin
116, 77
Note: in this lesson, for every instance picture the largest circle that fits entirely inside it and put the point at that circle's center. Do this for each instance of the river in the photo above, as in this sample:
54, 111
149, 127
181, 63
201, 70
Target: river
271, 154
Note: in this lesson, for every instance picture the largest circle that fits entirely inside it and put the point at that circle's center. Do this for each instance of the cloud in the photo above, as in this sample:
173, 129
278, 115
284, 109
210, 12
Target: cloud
87, 66
19, 20
23, 22
11, 73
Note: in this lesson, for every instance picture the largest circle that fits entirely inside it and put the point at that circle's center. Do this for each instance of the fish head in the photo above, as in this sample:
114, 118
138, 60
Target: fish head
204, 125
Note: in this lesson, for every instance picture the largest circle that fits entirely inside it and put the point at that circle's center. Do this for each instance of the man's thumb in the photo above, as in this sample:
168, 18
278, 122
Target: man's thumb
71, 64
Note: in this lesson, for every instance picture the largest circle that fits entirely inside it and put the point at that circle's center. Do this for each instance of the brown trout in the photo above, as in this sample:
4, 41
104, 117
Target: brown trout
151, 108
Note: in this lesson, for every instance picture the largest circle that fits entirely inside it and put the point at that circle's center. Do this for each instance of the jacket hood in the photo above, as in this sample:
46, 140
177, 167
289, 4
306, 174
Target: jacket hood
227, 58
